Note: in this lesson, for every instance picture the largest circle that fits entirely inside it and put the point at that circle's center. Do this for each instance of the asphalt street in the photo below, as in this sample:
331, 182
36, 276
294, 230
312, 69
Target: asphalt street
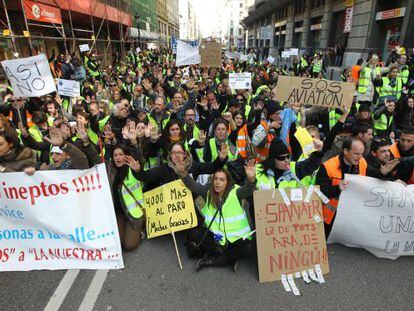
152, 280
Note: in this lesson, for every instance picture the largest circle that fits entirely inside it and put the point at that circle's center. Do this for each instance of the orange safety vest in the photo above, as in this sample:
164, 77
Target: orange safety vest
263, 153
30, 123
241, 142
333, 169
394, 150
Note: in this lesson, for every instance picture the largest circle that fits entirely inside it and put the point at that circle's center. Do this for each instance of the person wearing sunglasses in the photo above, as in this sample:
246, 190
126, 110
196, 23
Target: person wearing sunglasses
278, 171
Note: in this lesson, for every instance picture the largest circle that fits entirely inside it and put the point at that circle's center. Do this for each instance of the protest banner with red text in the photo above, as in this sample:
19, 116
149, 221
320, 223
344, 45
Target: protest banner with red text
58, 220
290, 234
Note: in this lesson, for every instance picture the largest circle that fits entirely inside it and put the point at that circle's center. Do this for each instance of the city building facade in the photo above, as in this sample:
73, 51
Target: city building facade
359, 26
189, 26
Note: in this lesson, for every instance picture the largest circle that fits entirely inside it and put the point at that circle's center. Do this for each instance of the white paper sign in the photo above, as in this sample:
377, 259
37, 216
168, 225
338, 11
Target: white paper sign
240, 80
30, 76
375, 215
294, 52
270, 59
285, 54
69, 88
243, 57
58, 220
186, 54
138, 49
84, 47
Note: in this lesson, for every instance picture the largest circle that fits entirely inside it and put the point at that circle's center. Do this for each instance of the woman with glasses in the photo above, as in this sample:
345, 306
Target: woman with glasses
167, 172
278, 171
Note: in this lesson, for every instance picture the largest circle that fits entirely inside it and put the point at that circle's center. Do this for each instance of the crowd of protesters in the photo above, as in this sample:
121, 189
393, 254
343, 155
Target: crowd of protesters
152, 123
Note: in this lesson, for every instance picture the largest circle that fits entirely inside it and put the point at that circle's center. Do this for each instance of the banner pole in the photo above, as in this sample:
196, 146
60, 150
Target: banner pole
176, 250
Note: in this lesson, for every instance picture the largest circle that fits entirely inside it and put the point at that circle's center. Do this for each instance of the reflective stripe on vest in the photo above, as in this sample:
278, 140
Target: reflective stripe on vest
232, 223
383, 123
264, 182
333, 170
134, 186
394, 150
387, 90
214, 153
241, 142
263, 153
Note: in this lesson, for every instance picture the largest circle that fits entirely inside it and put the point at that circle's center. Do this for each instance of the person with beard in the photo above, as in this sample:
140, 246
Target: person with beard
127, 195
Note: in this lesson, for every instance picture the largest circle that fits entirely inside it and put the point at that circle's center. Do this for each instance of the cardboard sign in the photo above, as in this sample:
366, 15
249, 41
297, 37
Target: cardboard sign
210, 52
30, 76
84, 47
42, 13
186, 54
270, 59
376, 215
240, 80
69, 88
290, 239
316, 92
58, 220
169, 208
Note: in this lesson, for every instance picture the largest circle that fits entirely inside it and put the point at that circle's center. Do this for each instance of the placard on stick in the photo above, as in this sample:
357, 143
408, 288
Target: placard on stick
169, 208
316, 92
290, 239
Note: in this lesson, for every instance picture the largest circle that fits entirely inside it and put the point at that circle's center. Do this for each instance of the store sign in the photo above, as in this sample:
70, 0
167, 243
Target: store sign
42, 13
394, 13
349, 12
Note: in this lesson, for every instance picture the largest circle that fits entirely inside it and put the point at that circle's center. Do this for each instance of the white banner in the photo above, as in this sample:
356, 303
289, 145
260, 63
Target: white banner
69, 88
285, 54
30, 76
376, 215
84, 47
240, 80
186, 54
294, 52
270, 59
58, 220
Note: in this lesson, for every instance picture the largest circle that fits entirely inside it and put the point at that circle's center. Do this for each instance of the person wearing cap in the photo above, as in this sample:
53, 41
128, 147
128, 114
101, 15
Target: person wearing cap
331, 174
63, 154
264, 134
278, 171
384, 118
404, 71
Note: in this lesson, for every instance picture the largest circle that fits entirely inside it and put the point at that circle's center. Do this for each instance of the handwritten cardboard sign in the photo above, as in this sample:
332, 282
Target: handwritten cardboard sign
376, 215
316, 92
30, 76
169, 208
290, 239
210, 52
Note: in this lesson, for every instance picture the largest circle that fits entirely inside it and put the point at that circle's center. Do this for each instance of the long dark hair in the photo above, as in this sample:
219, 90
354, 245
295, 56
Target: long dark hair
121, 172
213, 196
12, 138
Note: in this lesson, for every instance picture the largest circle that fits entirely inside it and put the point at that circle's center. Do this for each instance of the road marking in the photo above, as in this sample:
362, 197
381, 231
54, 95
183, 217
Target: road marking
93, 291
62, 290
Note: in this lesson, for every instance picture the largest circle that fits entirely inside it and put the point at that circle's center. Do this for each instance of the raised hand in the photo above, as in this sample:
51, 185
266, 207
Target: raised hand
250, 170
154, 134
132, 163
318, 144
108, 134
389, 166
56, 138
224, 152
204, 103
81, 132
202, 138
